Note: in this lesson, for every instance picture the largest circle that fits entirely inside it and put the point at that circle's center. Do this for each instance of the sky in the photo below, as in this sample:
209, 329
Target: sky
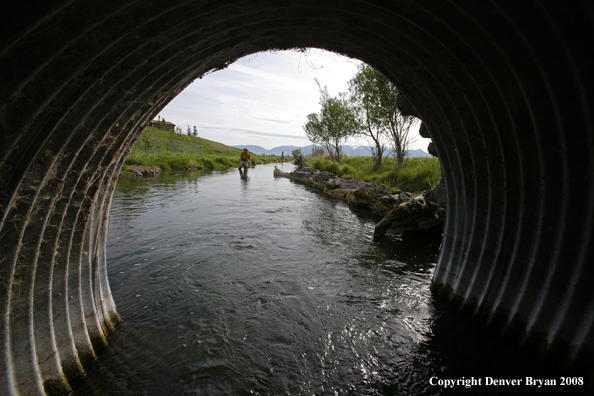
264, 99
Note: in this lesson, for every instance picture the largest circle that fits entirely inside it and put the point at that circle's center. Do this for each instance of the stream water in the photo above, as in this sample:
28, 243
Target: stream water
252, 285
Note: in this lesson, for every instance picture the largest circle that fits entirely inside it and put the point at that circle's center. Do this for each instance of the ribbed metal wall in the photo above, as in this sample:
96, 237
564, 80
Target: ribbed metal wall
505, 89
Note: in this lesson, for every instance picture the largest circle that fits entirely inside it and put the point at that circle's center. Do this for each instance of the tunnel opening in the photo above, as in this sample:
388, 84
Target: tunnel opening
511, 124
128, 293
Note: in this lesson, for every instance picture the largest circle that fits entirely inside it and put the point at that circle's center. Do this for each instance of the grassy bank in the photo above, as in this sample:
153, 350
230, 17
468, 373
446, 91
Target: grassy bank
199, 153
418, 174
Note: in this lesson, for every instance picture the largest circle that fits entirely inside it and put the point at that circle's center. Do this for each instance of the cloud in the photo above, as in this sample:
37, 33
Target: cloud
247, 131
271, 120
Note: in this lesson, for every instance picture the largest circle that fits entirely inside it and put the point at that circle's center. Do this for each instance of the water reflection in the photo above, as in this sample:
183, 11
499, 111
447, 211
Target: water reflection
244, 176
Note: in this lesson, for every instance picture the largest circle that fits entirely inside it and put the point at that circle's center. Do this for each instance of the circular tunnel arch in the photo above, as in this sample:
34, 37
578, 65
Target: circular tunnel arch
504, 91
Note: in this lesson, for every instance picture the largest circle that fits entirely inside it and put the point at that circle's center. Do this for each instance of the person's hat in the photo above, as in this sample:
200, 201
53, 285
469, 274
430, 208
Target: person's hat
245, 148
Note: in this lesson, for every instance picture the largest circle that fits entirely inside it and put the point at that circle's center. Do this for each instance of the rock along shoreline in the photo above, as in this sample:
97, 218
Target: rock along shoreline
401, 213
137, 171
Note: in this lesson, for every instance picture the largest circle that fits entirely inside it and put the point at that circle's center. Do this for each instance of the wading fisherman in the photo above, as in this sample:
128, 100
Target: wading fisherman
245, 159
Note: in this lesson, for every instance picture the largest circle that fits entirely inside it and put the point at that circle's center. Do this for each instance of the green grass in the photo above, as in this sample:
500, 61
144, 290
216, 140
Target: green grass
214, 154
417, 175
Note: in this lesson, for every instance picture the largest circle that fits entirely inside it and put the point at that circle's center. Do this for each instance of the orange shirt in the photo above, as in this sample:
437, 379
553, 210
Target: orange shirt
245, 156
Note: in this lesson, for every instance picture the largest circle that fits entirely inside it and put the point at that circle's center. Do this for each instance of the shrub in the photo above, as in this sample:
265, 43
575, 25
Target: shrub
347, 172
208, 163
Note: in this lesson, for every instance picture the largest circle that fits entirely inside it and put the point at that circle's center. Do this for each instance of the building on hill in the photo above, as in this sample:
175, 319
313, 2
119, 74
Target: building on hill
169, 126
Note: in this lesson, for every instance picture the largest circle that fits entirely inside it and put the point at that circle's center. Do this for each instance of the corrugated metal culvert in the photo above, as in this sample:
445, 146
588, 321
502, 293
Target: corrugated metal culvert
504, 89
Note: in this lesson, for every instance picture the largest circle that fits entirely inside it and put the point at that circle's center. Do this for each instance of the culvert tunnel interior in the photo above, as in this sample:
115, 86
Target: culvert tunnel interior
504, 91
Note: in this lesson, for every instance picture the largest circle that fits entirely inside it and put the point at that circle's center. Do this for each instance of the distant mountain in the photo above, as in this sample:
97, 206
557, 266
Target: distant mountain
418, 153
254, 149
351, 151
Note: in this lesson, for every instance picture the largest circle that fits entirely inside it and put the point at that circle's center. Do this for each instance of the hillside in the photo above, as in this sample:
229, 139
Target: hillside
168, 150
209, 147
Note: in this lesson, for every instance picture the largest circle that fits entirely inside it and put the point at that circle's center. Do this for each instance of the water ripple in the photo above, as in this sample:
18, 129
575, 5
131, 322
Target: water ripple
263, 287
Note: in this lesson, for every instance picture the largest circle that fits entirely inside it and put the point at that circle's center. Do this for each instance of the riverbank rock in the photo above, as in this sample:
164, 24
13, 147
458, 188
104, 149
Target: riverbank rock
401, 213
417, 214
192, 166
355, 192
423, 215
137, 171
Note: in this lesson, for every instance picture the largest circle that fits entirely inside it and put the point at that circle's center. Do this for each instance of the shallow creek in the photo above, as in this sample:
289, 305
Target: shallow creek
231, 285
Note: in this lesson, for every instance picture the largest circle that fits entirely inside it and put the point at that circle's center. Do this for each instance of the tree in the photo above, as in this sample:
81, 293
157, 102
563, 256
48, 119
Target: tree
189, 131
333, 125
195, 131
365, 89
375, 98
397, 125
399, 128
